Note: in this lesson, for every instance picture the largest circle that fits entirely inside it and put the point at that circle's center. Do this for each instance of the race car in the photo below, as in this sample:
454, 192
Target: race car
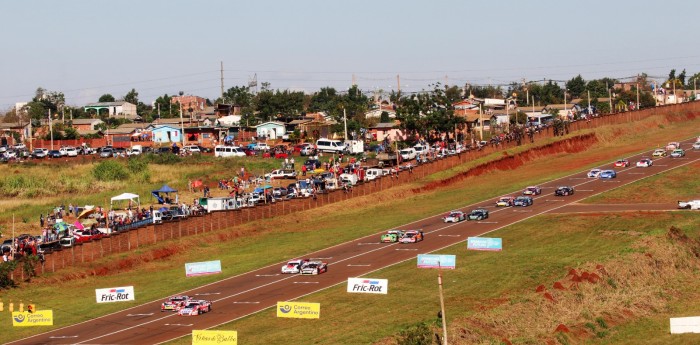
478, 214
532, 190
564, 191
659, 153
174, 303
622, 163
454, 217
195, 307
594, 173
314, 268
411, 236
673, 145
696, 145
523, 201
293, 266
677, 153
605, 174
645, 163
391, 236
689, 205
505, 201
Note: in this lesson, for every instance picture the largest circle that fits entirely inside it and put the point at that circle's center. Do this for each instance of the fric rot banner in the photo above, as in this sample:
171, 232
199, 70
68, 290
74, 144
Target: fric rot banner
37, 318
299, 310
214, 337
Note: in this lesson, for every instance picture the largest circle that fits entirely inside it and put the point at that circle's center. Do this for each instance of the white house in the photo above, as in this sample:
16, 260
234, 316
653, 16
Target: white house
114, 109
270, 130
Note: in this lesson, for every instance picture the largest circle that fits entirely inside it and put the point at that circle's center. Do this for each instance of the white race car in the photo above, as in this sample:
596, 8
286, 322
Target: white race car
314, 268
195, 307
689, 205
645, 163
454, 217
293, 266
594, 173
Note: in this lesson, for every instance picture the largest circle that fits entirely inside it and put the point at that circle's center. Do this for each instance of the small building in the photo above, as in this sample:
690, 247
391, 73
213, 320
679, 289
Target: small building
228, 121
166, 134
189, 103
86, 124
114, 109
6, 130
389, 130
271, 130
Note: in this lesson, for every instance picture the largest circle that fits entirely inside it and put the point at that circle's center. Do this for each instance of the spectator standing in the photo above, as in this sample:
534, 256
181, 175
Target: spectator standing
41, 219
291, 161
303, 170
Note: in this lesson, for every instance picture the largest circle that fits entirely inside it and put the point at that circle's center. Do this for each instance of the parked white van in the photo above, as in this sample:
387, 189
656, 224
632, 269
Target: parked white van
421, 149
228, 151
355, 146
408, 154
373, 173
350, 179
328, 145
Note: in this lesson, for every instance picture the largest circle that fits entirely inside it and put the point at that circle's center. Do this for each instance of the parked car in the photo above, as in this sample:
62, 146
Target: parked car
564, 191
532, 190
262, 147
106, 152
308, 150
454, 217
312, 164
622, 163
608, 174
279, 192
68, 151
163, 150
408, 154
191, 149
119, 152
523, 201
645, 163
677, 153
54, 154
40, 153
281, 173
478, 214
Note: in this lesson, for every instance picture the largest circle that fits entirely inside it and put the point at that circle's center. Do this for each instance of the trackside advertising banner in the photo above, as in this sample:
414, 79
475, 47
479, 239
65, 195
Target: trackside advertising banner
299, 310
437, 261
214, 337
119, 294
485, 243
194, 269
38, 318
368, 285
685, 325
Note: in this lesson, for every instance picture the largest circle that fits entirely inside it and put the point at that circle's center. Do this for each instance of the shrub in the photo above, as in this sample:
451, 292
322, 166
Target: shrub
110, 170
137, 165
418, 334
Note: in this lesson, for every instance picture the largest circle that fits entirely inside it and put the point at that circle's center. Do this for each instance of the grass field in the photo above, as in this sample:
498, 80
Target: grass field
536, 257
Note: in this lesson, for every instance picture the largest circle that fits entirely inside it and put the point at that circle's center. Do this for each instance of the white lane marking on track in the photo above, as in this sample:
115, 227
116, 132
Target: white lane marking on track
266, 275
406, 249
351, 265
522, 211
63, 337
246, 302
178, 324
305, 282
449, 235
556, 200
367, 243
207, 293
148, 314
486, 222
583, 190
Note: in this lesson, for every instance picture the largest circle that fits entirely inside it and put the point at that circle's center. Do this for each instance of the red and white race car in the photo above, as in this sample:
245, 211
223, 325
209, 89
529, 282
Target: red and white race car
294, 266
622, 163
314, 268
174, 303
411, 236
645, 163
195, 307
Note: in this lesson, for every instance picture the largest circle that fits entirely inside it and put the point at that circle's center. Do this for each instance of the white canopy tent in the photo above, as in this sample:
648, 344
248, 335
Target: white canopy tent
126, 196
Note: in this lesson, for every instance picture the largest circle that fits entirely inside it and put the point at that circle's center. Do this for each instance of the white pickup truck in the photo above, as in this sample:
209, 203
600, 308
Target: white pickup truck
689, 205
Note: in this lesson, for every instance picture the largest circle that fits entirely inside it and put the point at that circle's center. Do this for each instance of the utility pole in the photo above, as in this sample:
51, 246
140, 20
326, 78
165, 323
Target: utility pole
442, 306
398, 83
481, 122
589, 103
222, 80
51, 128
345, 121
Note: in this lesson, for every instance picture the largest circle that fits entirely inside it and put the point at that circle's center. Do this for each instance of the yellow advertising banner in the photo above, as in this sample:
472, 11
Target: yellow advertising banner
299, 310
37, 318
214, 337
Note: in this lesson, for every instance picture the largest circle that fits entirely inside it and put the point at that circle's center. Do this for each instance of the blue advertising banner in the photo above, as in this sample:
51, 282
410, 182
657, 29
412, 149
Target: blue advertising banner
437, 261
485, 243
194, 269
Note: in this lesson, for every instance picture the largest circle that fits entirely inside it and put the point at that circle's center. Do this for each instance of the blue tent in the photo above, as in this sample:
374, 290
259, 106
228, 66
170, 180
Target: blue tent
165, 189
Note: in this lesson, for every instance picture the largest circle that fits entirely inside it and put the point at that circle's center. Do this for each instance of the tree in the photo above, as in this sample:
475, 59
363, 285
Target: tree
576, 87
384, 117
131, 97
106, 98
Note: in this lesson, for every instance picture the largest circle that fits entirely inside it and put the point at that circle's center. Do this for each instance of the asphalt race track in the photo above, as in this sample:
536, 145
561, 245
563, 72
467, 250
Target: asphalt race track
251, 292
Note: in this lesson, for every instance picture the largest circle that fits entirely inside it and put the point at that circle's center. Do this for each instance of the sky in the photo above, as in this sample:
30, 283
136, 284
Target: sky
87, 48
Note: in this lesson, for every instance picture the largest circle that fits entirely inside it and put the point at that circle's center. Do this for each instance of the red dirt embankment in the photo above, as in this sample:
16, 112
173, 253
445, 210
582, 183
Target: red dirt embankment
511, 162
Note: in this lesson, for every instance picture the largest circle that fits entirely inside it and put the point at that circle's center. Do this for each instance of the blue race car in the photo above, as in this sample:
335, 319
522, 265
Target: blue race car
608, 174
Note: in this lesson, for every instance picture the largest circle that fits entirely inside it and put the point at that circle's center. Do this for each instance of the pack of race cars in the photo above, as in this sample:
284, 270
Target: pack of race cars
186, 305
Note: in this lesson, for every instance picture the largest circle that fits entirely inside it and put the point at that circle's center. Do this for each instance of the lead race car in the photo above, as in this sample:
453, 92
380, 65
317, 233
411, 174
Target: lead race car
412, 236
174, 303
391, 236
532, 190
314, 268
293, 266
478, 214
195, 307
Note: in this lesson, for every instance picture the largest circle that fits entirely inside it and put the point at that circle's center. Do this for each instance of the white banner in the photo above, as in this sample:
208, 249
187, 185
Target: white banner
368, 285
119, 294
685, 325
